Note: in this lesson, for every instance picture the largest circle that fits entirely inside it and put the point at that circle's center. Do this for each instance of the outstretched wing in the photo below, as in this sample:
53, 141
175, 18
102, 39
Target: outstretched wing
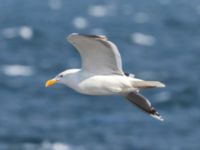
143, 104
98, 55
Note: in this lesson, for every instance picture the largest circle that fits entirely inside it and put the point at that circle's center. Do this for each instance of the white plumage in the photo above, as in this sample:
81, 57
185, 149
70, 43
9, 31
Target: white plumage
102, 73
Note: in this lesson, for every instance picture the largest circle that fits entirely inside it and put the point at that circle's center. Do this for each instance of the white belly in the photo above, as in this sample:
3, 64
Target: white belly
104, 85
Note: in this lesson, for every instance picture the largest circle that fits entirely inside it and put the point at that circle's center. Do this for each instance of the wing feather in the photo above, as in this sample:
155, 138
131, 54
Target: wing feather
143, 103
98, 55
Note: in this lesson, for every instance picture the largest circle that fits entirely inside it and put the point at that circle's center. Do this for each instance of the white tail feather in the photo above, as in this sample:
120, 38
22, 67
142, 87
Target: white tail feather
148, 84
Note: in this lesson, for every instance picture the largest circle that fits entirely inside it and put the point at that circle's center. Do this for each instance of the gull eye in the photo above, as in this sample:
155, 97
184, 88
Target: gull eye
60, 76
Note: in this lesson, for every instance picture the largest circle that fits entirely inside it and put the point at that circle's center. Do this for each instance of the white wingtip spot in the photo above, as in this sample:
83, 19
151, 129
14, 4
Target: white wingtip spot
162, 85
160, 118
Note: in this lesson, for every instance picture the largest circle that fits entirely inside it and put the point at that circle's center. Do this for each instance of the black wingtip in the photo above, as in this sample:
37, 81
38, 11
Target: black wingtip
93, 36
156, 115
89, 35
144, 104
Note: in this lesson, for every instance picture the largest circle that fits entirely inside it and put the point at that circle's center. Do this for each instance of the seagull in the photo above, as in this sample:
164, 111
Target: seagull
101, 73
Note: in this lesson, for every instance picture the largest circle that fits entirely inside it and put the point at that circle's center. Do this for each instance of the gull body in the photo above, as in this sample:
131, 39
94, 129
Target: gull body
91, 84
102, 74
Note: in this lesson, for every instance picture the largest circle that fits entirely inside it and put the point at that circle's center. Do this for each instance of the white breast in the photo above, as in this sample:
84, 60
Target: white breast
104, 85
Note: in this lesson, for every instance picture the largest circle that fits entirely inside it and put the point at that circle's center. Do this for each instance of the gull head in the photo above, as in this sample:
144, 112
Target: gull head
65, 77
60, 78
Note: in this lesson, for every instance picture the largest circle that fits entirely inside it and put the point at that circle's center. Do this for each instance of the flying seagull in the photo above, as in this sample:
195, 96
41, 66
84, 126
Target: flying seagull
102, 74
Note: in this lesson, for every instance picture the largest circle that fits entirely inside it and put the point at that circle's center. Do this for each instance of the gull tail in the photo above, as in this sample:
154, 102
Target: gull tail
147, 84
144, 104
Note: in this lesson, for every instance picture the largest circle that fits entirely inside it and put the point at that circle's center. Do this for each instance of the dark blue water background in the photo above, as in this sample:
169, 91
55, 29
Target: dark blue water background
158, 40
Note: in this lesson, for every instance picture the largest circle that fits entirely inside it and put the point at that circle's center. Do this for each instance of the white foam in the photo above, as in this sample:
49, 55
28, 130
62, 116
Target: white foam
46, 145
55, 4
141, 17
60, 146
25, 32
10, 32
98, 10
54, 146
143, 39
17, 70
80, 22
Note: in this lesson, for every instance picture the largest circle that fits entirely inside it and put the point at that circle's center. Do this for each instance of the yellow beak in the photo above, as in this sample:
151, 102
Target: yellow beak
50, 82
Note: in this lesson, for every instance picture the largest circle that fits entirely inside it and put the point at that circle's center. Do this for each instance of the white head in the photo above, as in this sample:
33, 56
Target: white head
63, 77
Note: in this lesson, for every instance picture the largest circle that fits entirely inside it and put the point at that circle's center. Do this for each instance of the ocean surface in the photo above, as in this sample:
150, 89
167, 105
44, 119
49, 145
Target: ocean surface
158, 40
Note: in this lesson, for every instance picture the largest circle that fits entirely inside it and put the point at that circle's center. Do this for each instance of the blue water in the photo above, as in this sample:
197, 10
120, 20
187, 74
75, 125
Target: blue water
158, 40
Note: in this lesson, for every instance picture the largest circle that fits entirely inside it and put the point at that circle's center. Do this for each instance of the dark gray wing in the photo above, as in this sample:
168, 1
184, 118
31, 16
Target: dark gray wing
144, 104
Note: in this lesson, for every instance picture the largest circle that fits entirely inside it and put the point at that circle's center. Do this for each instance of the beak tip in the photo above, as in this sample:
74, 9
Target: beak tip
50, 82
